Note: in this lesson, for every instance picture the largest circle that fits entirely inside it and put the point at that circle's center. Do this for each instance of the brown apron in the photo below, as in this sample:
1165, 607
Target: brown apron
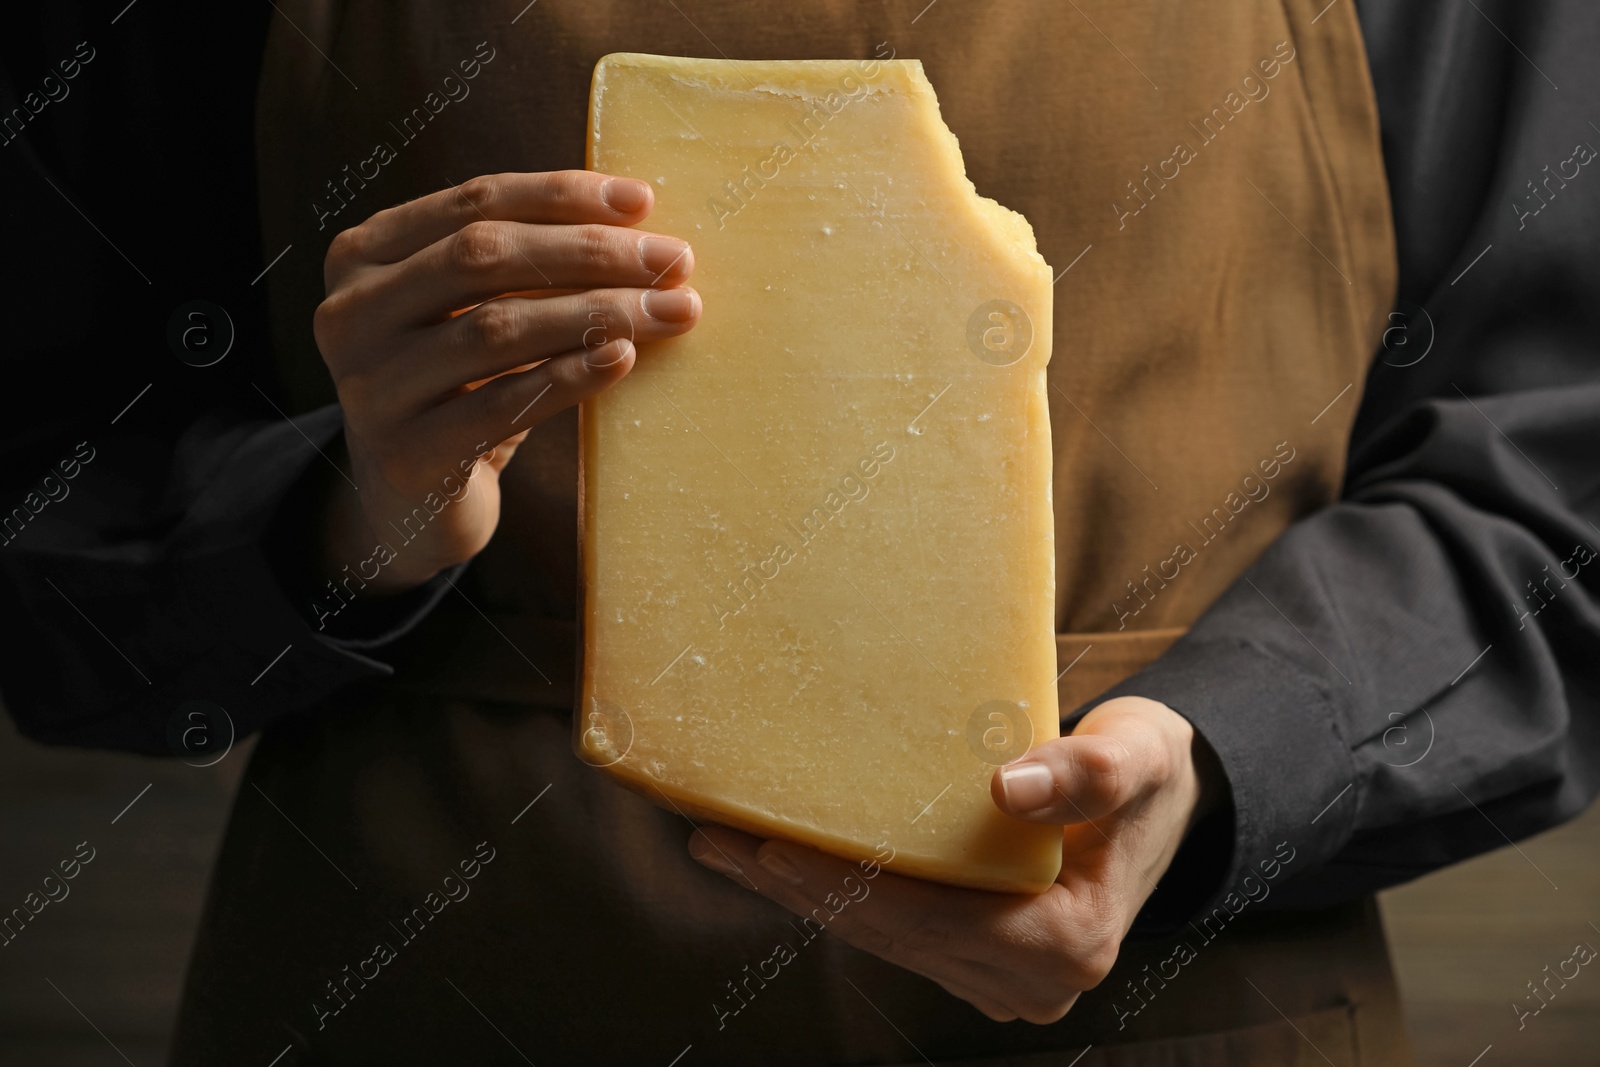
1207, 179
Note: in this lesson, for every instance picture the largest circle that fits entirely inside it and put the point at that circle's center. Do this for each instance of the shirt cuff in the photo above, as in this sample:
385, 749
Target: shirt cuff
253, 510
1290, 774
293, 548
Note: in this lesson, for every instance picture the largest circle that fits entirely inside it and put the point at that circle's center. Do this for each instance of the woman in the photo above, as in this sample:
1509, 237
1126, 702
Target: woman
1224, 309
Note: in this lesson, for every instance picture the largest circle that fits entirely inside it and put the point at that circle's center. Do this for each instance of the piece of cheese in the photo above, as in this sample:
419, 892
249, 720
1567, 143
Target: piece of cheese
817, 534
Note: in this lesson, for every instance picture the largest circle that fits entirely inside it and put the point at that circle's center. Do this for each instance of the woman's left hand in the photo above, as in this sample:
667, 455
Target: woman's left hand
1125, 787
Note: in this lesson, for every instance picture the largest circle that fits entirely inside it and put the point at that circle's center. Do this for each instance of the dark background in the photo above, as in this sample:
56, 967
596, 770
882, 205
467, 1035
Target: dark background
104, 967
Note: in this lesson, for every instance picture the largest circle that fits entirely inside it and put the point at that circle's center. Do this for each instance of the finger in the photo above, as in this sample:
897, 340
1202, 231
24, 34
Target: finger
1010, 956
515, 402
731, 854
502, 334
555, 197
918, 925
483, 260
739, 857
1074, 779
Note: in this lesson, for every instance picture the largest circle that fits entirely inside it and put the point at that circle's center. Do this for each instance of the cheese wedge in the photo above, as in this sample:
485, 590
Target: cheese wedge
816, 531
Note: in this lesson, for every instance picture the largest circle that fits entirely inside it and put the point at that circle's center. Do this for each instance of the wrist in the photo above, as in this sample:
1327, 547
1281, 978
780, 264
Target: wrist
353, 548
1197, 774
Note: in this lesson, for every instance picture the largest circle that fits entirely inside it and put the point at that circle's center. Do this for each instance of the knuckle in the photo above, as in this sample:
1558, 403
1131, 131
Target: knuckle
480, 247
479, 193
347, 246
1075, 939
570, 188
1103, 765
1095, 965
1101, 760
1158, 767
607, 317
495, 326
597, 244
327, 323
1097, 946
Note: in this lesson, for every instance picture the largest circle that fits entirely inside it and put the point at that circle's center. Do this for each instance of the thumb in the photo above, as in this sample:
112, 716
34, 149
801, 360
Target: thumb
1068, 780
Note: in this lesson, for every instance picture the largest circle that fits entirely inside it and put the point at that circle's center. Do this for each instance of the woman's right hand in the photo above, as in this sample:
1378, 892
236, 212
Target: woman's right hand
558, 288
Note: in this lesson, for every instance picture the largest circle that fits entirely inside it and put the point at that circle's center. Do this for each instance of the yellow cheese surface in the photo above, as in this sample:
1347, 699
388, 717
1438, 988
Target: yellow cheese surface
817, 533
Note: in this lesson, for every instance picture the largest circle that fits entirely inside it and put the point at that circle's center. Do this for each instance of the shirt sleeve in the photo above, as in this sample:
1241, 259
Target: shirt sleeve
147, 581
1412, 676
1408, 678
155, 514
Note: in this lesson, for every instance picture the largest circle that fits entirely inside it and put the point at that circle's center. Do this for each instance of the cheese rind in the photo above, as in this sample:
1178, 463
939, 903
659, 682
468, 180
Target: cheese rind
817, 534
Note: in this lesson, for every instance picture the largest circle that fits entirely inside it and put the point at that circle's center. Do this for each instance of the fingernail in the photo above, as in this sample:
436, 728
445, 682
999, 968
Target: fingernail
661, 254
608, 354
671, 305
779, 866
717, 862
1027, 786
625, 196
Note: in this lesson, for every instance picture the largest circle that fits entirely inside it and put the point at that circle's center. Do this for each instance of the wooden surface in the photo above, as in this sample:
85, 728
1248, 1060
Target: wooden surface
1468, 939
1465, 940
